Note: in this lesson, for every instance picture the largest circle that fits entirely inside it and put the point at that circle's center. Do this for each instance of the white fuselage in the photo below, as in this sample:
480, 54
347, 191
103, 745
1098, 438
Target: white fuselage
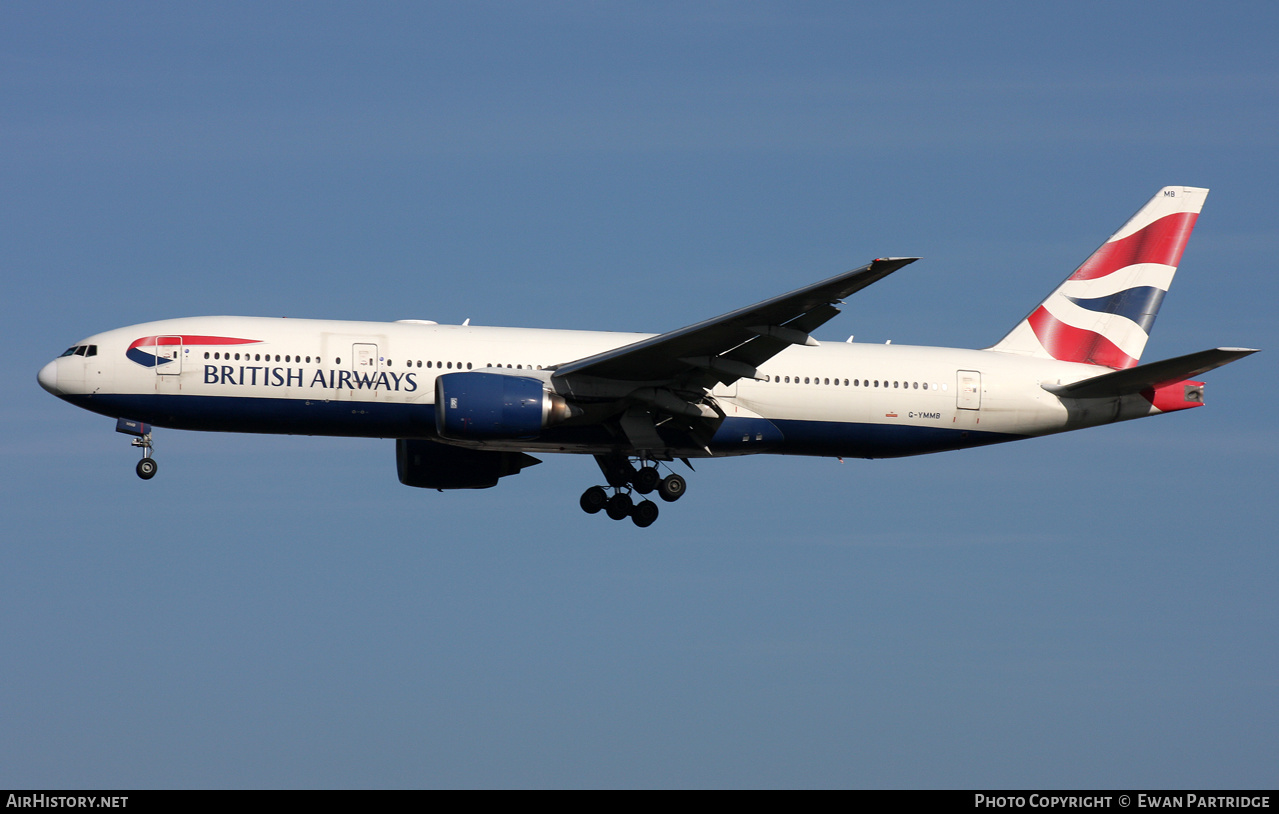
376, 379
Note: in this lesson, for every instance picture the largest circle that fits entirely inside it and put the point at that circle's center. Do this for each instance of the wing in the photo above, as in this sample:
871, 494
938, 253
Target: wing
728, 347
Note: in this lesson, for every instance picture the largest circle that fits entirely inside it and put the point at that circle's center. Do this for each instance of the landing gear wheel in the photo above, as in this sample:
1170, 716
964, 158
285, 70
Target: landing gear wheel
646, 480
146, 468
671, 488
593, 499
619, 506
644, 513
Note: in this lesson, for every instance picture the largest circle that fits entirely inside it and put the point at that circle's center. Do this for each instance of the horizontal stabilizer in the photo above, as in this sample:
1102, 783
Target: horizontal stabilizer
1153, 375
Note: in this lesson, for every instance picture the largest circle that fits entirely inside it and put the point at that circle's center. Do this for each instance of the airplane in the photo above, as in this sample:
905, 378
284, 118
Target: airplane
469, 405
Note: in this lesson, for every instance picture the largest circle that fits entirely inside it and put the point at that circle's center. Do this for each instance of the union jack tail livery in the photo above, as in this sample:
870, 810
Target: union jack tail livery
1102, 314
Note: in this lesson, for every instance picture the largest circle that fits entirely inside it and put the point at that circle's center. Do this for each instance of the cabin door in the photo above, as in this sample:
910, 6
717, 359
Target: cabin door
168, 351
968, 389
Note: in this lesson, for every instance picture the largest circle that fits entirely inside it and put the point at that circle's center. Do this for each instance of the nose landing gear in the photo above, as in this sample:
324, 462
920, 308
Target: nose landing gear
141, 433
623, 477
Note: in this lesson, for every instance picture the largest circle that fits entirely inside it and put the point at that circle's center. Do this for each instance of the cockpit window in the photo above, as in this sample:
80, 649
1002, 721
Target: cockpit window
92, 351
82, 350
70, 351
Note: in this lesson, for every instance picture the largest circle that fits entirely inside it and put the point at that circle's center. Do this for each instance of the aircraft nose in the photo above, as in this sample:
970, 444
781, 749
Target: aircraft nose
48, 378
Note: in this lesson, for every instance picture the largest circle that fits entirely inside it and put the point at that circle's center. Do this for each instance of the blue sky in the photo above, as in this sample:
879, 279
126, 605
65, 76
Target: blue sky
1089, 610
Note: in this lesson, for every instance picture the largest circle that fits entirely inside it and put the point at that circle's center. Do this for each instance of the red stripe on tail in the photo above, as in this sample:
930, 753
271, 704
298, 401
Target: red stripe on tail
1162, 241
1070, 344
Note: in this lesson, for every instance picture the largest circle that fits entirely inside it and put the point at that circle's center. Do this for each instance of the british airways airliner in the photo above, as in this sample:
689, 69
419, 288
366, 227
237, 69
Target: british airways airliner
467, 404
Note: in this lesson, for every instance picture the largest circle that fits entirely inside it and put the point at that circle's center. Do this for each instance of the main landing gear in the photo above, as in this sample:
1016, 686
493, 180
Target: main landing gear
624, 478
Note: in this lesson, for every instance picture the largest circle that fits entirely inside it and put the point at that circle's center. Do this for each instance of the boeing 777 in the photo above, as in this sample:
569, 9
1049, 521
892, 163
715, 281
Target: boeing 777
468, 405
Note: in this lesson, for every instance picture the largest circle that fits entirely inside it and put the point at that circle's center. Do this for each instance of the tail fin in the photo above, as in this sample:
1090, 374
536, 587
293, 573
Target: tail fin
1102, 314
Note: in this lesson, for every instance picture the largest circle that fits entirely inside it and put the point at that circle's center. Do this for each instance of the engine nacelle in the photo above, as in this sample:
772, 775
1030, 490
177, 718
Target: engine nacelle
431, 465
478, 405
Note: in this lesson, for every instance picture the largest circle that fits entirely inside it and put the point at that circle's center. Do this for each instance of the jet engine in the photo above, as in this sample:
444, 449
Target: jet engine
475, 406
431, 465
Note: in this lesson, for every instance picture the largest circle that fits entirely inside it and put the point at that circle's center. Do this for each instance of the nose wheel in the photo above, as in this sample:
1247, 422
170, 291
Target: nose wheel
623, 479
146, 468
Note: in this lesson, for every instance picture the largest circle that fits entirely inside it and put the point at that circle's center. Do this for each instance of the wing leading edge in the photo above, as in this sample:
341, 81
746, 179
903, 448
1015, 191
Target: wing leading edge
733, 345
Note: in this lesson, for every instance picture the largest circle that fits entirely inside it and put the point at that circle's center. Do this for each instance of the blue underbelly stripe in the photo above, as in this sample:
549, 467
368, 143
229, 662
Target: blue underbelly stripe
371, 419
